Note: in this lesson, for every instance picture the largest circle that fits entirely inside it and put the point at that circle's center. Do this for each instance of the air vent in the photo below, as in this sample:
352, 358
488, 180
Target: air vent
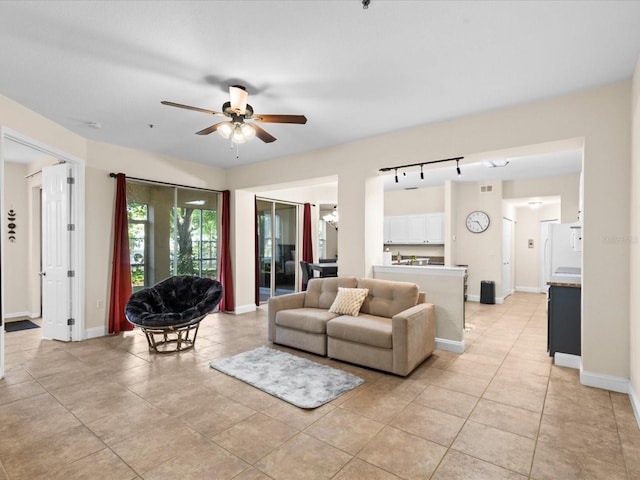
486, 188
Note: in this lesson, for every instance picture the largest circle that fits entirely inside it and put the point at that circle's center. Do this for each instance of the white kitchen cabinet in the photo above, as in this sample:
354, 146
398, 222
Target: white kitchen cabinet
418, 229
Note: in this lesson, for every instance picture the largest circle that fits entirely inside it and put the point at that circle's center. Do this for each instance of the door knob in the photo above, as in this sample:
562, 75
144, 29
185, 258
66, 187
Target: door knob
42, 274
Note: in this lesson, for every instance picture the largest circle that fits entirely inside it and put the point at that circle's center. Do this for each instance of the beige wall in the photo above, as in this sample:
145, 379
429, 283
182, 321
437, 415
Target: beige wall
16, 253
598, 118
634, 242
566, 186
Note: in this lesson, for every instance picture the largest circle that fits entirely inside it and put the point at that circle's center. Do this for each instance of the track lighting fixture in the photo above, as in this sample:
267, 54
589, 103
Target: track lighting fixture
421, 165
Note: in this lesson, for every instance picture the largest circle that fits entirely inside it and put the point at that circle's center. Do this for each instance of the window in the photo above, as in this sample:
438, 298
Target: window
172, 231
138, 226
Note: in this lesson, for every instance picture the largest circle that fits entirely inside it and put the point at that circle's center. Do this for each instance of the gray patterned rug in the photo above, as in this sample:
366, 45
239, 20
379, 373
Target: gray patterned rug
296, 380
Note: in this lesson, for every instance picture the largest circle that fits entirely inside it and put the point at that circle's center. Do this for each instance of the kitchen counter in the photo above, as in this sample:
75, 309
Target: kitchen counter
444, 287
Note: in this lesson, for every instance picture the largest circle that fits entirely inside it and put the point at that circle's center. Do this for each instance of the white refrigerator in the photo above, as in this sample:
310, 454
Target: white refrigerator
563, 252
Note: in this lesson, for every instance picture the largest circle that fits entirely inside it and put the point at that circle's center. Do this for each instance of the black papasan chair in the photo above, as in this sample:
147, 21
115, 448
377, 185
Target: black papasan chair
172, 309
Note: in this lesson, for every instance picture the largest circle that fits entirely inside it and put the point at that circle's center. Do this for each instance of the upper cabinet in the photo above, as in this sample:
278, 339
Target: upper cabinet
420, 229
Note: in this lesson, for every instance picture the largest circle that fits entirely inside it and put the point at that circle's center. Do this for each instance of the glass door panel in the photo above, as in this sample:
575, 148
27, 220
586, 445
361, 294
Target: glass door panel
285, 240
264, 248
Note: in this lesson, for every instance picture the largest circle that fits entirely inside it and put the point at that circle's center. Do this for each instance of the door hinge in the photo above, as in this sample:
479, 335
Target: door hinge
71, 180
71, 321
71, 227
71, 273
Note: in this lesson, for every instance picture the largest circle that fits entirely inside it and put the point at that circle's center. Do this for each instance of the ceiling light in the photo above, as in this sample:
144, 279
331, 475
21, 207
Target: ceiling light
458, 168
225, 129
396, 175
502, 162
535, 204
248, 131
238, 136
421, 174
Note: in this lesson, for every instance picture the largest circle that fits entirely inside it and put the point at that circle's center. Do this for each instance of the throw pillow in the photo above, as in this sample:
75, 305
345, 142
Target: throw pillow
349, 300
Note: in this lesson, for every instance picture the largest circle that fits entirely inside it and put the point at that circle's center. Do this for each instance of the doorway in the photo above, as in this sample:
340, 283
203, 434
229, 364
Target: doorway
34, 157
507, 236
277, 252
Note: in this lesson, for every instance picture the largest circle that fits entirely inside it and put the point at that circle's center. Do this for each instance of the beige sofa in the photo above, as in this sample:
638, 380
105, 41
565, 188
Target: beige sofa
394, 330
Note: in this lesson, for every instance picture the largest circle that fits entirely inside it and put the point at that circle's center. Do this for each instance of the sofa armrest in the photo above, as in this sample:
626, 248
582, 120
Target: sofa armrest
413, 337
282, 302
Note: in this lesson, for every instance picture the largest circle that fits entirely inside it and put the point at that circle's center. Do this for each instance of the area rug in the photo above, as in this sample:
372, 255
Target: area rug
19, 325
296, 380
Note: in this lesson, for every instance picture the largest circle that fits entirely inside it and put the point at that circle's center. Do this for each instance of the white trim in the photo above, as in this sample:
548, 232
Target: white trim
567, 360
450, 345
95, 332
476, 298
527, 289
606, 382
21, 314
635, 403
244, 309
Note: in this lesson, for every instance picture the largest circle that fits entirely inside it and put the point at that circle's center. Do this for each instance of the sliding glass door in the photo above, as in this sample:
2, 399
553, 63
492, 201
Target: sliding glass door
277, 227
172, 231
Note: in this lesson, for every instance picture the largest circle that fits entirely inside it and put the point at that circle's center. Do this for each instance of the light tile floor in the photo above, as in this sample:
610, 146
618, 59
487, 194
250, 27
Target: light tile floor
107, 409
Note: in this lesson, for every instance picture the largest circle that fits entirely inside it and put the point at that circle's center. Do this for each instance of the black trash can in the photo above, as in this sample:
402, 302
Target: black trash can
487, 291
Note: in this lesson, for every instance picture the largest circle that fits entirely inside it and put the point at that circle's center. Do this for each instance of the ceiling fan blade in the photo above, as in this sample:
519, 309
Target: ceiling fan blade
210, 129
300, 119
262, 134
197, 109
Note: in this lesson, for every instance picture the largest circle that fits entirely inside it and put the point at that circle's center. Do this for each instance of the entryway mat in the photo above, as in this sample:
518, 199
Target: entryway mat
19, 325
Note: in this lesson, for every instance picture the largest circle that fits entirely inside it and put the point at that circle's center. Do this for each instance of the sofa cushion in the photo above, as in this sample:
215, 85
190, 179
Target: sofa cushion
365, 329
312, 320
348, 301
387, 298
321, 292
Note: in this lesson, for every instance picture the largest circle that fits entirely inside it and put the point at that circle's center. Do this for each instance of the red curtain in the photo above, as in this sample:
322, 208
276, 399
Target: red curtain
226, 275
121, 268
307, 242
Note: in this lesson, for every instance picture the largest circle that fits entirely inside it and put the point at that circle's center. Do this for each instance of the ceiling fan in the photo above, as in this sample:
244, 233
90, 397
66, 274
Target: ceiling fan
237, 111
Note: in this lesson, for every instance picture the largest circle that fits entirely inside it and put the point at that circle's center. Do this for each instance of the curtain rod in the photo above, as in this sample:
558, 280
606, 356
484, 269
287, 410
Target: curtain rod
59, 162
388, 169
267, 199
114, 175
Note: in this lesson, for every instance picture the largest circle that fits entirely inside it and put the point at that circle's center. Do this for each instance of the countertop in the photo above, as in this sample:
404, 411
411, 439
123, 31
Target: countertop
572, 281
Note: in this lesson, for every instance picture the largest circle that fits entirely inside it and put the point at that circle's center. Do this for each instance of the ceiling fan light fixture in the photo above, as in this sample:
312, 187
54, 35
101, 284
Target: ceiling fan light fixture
238, 136
225, 129
239, 97
248, 131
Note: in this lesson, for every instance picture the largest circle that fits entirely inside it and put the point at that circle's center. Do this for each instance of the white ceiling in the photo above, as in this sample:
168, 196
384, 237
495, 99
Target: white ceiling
354, 73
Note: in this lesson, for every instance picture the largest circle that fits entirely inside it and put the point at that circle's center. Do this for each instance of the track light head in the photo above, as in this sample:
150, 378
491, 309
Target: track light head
421, 174
396, 175
458, 168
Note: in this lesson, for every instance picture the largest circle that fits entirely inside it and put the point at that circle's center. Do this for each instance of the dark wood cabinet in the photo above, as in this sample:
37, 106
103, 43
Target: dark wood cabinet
564, 317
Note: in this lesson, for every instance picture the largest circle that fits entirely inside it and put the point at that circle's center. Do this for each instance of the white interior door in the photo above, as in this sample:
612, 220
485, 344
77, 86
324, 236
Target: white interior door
56, 253
507, 233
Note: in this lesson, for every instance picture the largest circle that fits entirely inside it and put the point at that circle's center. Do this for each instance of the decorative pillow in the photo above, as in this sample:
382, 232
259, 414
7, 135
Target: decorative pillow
349, 300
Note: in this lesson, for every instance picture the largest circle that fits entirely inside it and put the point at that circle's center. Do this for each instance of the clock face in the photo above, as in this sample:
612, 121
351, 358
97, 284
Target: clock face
477, 222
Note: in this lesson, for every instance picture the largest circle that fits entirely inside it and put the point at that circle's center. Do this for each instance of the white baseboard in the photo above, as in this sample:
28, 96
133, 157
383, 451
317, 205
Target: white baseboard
635, 403
450, 345
245, 309
567, 360
528, 289
95, 332
7, 316
606, 382
476, 298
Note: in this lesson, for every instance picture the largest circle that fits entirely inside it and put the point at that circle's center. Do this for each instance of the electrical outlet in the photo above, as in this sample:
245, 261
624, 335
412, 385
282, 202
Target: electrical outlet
100, 304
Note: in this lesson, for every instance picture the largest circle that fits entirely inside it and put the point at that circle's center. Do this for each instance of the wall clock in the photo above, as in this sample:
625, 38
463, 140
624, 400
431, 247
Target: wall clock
477, 222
